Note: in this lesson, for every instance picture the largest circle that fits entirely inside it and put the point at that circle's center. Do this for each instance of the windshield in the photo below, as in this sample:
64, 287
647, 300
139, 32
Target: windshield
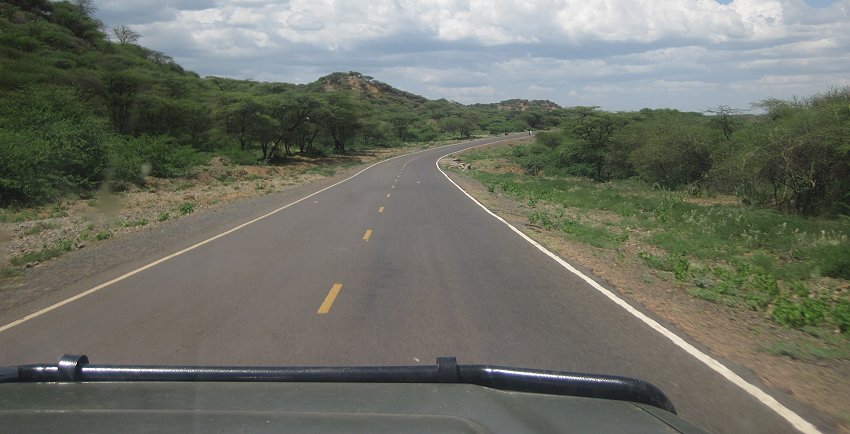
651, 190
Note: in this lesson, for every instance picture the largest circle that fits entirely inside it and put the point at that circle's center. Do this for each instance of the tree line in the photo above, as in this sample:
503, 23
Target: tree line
81, 109
793, 156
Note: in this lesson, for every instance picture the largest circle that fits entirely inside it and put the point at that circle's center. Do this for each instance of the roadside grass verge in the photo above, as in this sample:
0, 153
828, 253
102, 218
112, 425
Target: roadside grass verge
44, 254
320, 170
793, 270
232, 176
9, 272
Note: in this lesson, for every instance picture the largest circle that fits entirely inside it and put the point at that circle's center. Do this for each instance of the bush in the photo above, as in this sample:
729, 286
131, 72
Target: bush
533, 164
49, 146
549, 140
135, 158
21, 180
841, 316
240, 157
187, 208
834, 260
25, 43
791, 313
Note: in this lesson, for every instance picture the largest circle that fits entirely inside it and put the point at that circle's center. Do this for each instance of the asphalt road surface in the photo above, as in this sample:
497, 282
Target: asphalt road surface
394, 266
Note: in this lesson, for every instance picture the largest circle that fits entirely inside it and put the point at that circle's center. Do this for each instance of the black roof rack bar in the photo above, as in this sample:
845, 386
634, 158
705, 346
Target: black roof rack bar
73, 368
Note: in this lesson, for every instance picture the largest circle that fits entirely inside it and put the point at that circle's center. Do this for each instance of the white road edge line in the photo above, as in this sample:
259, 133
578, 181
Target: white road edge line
195, 246
794, 419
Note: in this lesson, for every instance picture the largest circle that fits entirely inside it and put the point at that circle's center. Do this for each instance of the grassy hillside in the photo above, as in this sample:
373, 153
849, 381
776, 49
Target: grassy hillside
80, 110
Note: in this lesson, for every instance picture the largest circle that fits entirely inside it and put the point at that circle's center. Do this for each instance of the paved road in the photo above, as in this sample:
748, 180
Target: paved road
395, 266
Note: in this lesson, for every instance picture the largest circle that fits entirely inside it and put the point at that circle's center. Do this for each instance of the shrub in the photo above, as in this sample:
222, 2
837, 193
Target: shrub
49, 145
549, 140
187, 208
834, 260
791, 313
135, 158
841, 315
533, 164
234, 155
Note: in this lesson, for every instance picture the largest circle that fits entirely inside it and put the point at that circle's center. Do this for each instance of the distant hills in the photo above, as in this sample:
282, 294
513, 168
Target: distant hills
522, 105
369, 87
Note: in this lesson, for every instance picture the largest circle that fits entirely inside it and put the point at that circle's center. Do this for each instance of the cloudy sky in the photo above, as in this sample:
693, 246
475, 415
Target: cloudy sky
618, 54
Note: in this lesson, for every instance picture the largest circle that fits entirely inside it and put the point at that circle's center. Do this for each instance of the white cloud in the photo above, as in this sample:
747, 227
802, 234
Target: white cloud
304, 23
623, 53
463, 94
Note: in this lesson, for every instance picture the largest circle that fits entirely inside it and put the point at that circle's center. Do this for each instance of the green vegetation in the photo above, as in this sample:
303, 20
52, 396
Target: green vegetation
80, 110
162, 216
795, 157
133, 223
40, 227
17, 216
823, 345
792, 268
186, 208
321, 170
103, 235
86, 233
9, 273
42, 255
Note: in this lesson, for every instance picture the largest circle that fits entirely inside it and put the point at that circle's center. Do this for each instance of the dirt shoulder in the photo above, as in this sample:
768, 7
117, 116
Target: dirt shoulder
736, 335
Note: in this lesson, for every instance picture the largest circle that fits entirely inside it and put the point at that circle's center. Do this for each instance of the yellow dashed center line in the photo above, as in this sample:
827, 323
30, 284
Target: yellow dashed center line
381, 209
392, 186
388, 194
367, 235
329, 300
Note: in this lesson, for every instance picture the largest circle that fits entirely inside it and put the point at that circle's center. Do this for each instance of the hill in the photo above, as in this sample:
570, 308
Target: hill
367, 86
522, 105
81, 109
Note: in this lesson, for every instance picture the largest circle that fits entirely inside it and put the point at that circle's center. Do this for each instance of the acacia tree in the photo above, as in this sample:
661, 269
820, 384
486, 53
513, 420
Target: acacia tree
592, 131
450, 124
673, 153
85, 8
262, 130
289, 115
341, 120
376, 133
468, 124
306, 133
239, 118
198, 122
726, 119
121, 92
805, 157
401, 124
125, 35
532, 118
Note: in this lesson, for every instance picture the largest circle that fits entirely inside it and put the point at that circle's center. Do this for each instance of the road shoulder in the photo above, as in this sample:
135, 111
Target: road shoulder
730, 334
